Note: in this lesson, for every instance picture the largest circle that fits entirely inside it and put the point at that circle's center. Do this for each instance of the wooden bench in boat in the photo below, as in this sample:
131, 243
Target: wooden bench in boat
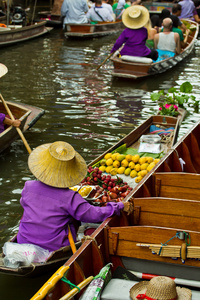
177, 184
167, 212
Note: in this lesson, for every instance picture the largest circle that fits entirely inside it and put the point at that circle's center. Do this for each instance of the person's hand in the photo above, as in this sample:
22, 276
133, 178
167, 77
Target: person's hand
128, 207
16, 123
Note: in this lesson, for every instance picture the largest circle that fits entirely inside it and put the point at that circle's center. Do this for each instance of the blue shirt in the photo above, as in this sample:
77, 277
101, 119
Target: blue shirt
74, 11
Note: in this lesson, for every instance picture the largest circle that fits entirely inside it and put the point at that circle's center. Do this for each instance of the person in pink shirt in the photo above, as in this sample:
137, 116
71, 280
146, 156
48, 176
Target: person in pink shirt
50, 206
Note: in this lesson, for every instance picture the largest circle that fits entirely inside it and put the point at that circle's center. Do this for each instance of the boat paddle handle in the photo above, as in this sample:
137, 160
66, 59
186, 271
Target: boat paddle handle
18, 129
104, 61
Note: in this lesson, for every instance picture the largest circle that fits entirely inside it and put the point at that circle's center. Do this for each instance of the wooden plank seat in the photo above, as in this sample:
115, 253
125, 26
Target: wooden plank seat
128, 241
167, 212
177, 184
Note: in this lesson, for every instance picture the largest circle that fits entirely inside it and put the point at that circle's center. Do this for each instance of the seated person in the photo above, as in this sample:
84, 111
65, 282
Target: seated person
155, 22
151, 33
6, 121
99, 13
189, 10
135, 35
119, 7
175, 28
74, 11
165, 13
176, 11
167, 40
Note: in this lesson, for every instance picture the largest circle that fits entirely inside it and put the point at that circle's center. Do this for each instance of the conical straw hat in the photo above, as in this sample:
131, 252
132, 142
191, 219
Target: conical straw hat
57, 164
3, 70
159, 288
135, 16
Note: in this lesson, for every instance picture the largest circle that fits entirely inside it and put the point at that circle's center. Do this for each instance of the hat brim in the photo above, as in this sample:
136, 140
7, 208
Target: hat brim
3, 70
138, 22
141, 287
54, 172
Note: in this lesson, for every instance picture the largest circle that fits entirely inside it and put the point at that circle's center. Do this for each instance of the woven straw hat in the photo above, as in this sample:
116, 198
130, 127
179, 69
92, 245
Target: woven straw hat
3, 70
57, 164
159, 288
135, 16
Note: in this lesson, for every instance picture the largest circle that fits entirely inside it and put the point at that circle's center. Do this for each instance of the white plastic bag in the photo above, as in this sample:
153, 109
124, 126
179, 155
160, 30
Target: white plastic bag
25, 254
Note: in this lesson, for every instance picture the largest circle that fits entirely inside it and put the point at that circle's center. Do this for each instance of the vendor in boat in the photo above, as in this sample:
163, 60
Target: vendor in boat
4, 121
119, 7
135, 35
74, 11
50, 206
99, 13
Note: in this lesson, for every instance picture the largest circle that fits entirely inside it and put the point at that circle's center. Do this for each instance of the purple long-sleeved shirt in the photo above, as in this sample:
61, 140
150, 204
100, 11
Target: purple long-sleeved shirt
134, 40
188, 9
49, 210
2, 117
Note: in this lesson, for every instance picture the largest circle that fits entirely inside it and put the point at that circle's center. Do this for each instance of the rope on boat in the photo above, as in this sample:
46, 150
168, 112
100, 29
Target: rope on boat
71, 285
88, 237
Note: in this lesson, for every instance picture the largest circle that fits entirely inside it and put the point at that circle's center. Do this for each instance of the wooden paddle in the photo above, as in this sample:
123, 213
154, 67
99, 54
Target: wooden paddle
104, 61
71, 240
18, 129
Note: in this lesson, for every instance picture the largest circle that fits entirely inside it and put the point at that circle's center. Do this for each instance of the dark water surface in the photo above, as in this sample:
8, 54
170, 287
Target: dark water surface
86, 108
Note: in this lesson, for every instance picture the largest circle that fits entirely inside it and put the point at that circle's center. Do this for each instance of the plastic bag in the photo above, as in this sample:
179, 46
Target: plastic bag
93, 291
24, 254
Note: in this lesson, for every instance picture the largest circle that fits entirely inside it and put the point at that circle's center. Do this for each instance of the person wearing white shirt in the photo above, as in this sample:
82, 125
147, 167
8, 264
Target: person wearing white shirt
74, 11
99, 13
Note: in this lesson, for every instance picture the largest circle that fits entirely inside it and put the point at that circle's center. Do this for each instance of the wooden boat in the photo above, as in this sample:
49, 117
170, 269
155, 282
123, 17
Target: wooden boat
53, 16
93, 30
59, 256
161, 236
28, 115
140, 67
16, 33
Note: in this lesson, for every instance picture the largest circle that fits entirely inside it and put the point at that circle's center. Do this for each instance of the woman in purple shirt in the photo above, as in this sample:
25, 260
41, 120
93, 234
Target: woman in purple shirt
6, 121
50, 206
135, 35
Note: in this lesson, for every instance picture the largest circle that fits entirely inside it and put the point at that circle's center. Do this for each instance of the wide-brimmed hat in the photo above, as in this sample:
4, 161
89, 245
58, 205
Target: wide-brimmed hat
159, 288
135, 16
57, 164
3, 70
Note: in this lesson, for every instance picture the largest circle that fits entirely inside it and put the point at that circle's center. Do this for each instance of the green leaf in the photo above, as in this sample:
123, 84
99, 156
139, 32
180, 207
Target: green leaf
172, 90
186, 87
155, 96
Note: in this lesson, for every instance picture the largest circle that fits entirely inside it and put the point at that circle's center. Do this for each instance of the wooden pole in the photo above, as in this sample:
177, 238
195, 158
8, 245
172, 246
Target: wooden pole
18, 129
104, 61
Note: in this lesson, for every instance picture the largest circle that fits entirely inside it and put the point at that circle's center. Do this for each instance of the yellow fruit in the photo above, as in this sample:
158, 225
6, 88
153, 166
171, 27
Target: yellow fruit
120, 157
84, 191
120, 170
113, 171
149, 159
114, 156
108, 169
102, 168
124, 163
137, 167
109, 162
131, 165
143, 173
139, 173
138, 179
127, 171
108, 155
116, 164
103, 162
150, 166
133, 174
144, 166
156, 160
128, 157
142, 160
135, 158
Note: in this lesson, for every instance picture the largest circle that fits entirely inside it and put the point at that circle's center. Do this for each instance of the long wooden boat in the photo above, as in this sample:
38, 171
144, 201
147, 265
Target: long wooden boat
93, 30
28, 115
161, 236
52, 16
13, 34
134, 67
131, 140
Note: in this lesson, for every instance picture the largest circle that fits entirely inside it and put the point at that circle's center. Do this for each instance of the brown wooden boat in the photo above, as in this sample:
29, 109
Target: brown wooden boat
139, 68
28, 115
93, 30
160, 237
52, 16
13, 34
